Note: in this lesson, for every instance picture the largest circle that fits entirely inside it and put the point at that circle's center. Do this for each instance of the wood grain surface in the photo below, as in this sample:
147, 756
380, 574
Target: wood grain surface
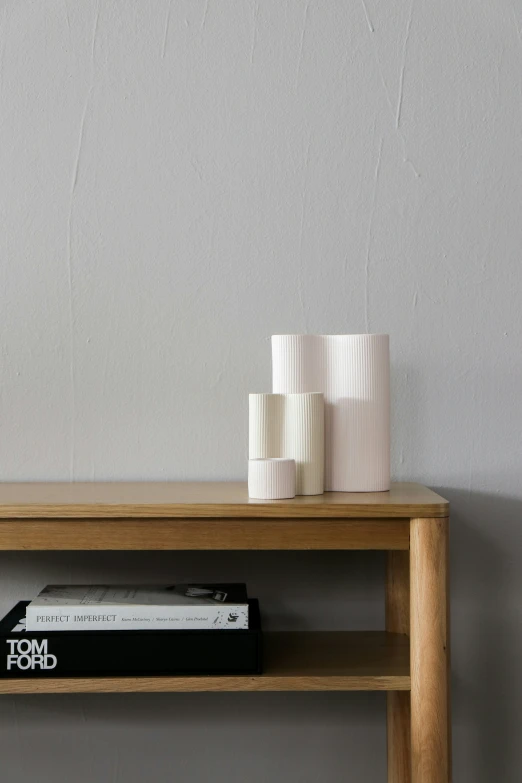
207, 499
398, 715
192, 534
430, 729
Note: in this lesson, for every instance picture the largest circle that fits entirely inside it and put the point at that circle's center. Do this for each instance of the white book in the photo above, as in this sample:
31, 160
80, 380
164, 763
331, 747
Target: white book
142, 607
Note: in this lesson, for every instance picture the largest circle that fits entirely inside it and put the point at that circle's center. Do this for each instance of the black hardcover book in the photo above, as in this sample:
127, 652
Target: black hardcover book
127, 653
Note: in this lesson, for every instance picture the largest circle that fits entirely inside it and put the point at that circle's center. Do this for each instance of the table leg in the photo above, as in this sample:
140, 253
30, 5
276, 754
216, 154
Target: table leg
429, 645
398, 702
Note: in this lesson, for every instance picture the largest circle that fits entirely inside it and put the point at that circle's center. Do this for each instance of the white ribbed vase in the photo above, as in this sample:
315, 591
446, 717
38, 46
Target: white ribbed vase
271, 479
353, 372
291, 426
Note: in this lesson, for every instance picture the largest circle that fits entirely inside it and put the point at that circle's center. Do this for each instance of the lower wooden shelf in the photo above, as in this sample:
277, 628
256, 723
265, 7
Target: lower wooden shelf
314, 661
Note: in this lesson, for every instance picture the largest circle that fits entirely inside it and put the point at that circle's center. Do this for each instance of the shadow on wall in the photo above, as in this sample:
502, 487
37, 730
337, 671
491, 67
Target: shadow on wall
485, 541
193, 738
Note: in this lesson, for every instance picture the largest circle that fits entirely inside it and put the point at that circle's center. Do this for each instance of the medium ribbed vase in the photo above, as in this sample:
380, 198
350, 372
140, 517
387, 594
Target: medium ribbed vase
291, 426
353, 372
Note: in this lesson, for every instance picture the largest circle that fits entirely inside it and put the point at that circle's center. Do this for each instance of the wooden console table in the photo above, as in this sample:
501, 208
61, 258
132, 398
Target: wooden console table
409, 659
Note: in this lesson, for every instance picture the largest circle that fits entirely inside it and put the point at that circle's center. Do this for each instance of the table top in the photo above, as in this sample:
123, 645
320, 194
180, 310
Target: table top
207, 500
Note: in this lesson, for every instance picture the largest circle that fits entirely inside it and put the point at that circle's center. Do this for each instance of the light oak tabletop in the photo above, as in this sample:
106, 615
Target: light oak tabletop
207, 500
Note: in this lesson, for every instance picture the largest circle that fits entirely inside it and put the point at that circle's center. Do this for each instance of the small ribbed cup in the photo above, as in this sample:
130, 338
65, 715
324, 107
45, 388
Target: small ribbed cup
271, 479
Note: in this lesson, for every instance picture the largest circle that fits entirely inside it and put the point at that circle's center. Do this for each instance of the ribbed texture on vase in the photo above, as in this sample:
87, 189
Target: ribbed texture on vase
353, 373
296, 363
271, 479
265, 426
291, 426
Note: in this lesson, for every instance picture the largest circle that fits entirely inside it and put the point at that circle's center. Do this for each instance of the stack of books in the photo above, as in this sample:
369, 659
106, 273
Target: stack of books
120, 630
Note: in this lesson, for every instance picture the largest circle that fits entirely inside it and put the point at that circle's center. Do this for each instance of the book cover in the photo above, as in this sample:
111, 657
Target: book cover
139, 607
127, 653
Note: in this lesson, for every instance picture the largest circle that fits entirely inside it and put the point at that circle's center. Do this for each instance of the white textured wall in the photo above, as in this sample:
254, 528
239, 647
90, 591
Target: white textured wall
179, 180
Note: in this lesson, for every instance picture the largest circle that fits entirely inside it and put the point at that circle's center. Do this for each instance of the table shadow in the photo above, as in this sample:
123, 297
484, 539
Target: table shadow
485, 541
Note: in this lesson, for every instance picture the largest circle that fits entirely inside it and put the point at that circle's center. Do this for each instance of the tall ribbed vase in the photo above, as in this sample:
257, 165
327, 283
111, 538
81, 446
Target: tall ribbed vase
353, 372
291, 426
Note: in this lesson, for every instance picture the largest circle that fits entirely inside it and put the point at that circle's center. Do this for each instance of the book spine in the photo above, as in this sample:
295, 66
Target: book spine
117, 618
86, 655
